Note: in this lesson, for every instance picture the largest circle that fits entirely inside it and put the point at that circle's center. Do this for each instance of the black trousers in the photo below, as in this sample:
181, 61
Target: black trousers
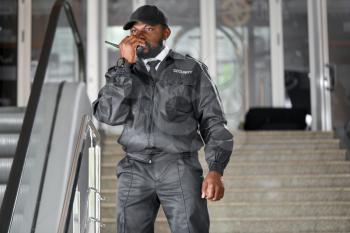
171, 180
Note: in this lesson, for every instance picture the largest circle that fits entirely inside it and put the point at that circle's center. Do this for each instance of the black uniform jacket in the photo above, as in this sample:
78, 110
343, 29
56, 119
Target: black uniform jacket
177, 111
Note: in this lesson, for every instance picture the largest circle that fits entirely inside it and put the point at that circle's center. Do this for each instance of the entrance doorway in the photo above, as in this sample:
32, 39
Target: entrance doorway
8, 53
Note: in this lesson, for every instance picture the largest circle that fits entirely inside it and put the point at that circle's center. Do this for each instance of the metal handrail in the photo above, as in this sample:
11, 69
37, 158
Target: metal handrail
77, 40
94, 132
95, 136
14, 179
89, 219
86, 127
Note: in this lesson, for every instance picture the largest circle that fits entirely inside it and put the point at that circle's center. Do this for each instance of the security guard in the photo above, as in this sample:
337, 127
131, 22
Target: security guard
169, 107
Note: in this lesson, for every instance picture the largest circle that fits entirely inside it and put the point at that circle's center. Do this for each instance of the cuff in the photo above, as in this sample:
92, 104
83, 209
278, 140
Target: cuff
215, 166
117, 75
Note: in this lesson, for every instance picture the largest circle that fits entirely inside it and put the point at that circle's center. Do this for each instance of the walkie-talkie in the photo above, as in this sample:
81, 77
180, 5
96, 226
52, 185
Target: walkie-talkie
114, 45
139, 48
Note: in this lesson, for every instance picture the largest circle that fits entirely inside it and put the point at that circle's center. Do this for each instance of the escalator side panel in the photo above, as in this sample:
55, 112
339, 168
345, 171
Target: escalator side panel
73, 105
33, 166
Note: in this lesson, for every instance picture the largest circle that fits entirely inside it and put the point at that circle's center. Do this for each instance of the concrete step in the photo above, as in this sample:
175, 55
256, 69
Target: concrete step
292, 133
258, 135
261, 145
260, 142
259, 225
283, 168
261, 210
286, 152
263, 141
327, 144
269, 168
284, 134
267, 181
242, 151
270, 195
258, 156
277, 141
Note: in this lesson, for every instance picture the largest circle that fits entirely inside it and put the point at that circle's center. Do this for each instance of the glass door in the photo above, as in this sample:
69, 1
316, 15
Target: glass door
296, 55
338, 17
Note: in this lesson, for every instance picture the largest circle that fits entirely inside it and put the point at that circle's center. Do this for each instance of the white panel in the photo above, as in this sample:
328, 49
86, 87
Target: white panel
208, 35
103, 24
277, 56
326, 94
96, 55
96, 49
92, 53
24, 42
319, 58
313, 55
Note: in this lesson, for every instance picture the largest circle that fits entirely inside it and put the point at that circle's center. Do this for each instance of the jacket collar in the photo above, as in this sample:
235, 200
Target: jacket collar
172, 56
175, 56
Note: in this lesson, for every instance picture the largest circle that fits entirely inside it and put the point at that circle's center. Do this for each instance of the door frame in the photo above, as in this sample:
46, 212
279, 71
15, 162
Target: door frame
24, 48
277, 53
321, 109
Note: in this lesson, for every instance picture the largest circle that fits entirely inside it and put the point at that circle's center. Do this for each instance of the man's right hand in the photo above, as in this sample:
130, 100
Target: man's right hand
127, 47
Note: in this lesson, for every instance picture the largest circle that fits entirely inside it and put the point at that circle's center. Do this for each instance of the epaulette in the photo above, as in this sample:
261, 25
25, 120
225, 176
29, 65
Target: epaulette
197, 61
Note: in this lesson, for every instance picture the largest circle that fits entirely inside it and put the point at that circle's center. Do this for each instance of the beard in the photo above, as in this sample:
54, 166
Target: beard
150, 52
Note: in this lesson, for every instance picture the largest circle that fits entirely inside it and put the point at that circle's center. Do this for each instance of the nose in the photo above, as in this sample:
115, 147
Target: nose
137, 33
140, 34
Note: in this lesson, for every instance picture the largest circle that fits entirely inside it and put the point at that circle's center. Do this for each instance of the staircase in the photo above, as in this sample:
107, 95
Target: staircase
11, 119
287, 181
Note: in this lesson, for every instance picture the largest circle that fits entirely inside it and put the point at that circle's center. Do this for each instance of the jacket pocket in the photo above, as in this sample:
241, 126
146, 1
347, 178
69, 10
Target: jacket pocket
182, 90
124, 165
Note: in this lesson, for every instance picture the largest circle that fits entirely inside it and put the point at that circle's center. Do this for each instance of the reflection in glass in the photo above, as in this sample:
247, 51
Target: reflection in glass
63, 54
243, 56
339, 60
63, 59
296, 54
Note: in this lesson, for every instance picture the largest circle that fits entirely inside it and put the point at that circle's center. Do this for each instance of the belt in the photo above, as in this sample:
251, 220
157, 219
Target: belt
150, 158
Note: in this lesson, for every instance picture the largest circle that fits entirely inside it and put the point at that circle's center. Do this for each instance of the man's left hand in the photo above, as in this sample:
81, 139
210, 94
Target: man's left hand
213, 186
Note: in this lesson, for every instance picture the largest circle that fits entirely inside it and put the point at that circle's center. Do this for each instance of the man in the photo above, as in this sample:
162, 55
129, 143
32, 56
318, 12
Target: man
168, 106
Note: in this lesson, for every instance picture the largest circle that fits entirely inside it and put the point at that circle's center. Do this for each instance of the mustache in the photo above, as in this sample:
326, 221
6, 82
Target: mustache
151, 51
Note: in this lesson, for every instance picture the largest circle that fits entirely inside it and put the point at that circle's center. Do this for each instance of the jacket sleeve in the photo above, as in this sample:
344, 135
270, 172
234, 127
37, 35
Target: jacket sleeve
112, 105
212, 123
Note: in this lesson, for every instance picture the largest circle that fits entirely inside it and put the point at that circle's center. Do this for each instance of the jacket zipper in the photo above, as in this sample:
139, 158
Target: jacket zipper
151, 114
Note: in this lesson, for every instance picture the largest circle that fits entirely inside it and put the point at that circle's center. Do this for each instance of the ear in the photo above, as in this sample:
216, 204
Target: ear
166, 33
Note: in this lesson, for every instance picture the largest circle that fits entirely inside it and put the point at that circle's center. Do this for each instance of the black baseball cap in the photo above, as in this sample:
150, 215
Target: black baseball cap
147, 14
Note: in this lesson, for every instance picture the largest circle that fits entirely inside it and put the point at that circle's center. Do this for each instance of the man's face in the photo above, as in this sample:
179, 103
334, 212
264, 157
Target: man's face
153, 35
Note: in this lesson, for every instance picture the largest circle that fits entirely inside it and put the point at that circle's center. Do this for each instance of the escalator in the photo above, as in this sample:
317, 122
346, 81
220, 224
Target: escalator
11, 119
49, 151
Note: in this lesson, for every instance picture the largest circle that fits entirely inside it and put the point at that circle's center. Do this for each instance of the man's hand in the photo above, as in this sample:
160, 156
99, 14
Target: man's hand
127, 47
213, 186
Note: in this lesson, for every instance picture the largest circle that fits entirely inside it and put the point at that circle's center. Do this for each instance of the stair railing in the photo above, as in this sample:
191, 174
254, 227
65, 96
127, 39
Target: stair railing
92, 212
